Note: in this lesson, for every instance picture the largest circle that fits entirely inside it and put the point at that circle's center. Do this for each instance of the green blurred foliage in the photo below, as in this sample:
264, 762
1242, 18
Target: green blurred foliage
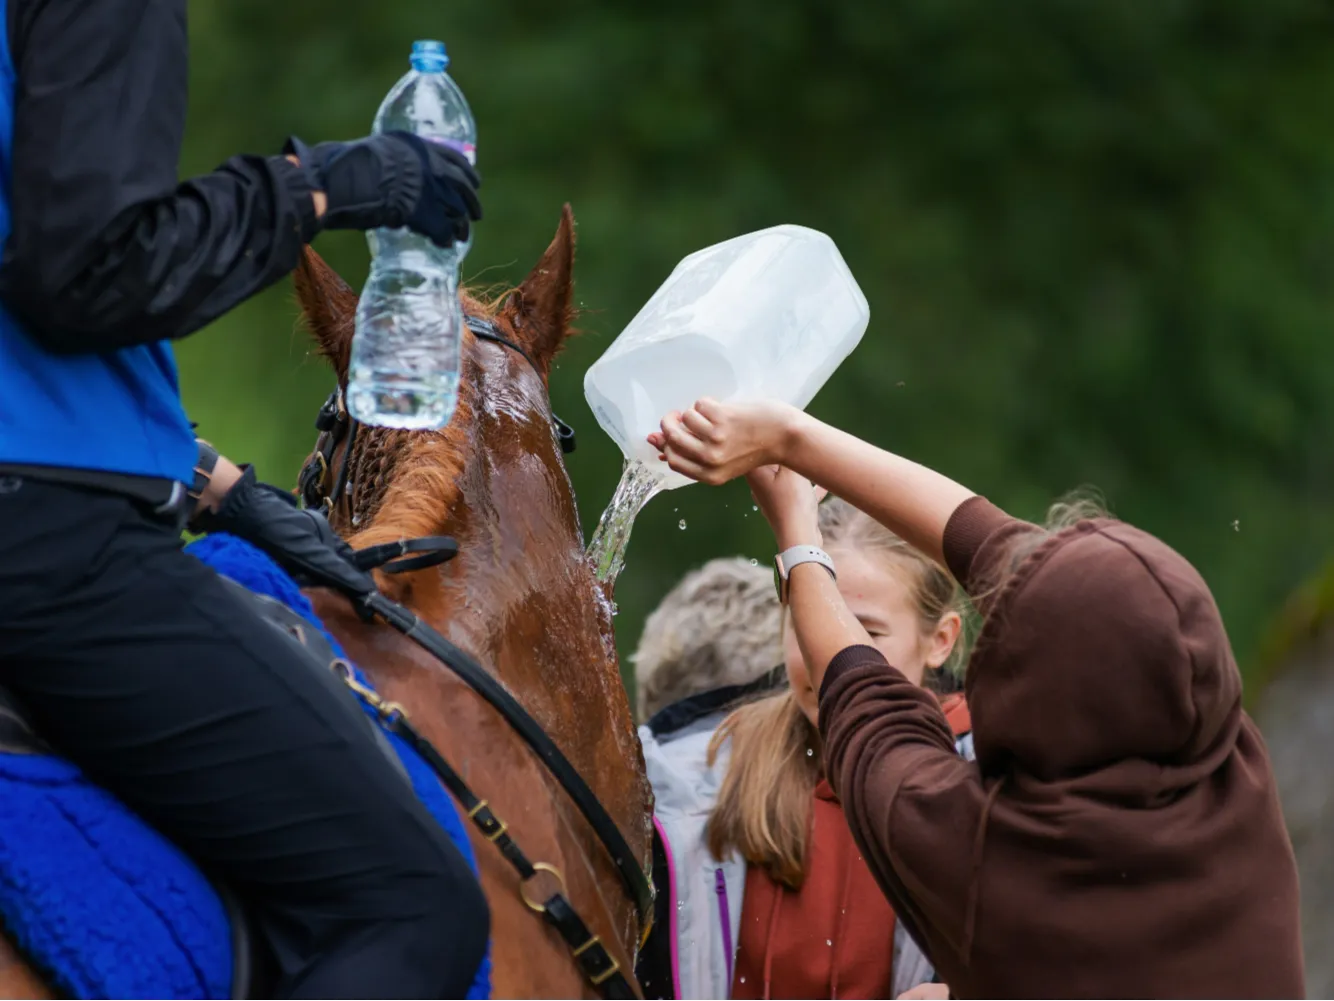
1097, 237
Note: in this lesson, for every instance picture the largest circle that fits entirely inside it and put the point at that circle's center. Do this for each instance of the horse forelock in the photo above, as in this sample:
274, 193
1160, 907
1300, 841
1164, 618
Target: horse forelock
413, 476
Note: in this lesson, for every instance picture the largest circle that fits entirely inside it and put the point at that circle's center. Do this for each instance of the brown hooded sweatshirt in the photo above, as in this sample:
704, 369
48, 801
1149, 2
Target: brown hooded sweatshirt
1119, 835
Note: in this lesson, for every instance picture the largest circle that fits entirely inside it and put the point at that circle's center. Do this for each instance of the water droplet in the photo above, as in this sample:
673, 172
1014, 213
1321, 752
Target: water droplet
900, 384
754, 507
754, 563
810, 753
1236, 525
829, 942
681, 524
743, 979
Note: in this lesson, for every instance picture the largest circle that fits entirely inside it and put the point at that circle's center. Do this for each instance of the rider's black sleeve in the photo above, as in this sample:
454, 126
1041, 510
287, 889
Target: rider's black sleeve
106, 248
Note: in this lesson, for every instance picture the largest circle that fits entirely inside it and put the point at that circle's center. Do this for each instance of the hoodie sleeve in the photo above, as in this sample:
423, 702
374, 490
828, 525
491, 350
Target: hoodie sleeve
977, 540
912, 802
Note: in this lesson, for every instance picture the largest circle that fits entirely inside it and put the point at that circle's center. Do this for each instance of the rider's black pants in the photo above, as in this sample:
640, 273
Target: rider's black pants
142, 666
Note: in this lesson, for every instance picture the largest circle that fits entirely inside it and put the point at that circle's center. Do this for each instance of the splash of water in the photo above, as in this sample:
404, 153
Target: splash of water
638, 485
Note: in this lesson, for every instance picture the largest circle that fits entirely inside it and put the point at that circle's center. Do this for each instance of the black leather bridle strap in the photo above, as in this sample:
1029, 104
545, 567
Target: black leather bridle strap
632, 874
597, 964
436, 549
485, 330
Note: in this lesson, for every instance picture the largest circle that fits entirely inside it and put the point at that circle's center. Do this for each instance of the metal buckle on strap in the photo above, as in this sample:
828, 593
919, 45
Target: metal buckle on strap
609, 972
330, 411
600, 968
547, 867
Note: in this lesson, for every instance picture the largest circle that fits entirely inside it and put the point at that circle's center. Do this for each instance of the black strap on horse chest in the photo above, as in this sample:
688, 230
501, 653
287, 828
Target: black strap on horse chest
598, 965
632, 875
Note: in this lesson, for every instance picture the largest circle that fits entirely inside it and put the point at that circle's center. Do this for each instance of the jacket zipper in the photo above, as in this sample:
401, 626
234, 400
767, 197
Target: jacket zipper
725, 916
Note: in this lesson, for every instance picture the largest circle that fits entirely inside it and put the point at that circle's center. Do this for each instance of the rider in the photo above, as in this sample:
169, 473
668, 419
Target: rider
135, 659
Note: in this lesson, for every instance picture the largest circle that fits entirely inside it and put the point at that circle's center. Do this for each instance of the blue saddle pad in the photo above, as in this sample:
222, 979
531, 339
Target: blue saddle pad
104, 905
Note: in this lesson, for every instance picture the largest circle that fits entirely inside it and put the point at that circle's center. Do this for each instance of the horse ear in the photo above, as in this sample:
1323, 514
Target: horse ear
329, 306
542, 308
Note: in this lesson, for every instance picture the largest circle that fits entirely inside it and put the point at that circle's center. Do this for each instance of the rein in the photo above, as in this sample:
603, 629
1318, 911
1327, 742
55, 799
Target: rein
599, 967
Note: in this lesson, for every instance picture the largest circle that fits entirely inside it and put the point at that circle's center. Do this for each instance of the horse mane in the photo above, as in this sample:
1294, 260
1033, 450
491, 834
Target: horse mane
407, 480
416, 474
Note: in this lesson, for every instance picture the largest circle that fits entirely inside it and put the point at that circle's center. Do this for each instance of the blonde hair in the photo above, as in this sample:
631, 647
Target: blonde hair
719, 626
764, 804
1084, 503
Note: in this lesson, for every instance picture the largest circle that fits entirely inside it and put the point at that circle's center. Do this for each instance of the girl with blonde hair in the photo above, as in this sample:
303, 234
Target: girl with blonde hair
813, 921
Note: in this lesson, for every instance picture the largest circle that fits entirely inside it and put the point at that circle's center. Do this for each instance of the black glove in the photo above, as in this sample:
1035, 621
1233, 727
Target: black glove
300, 541
392, 180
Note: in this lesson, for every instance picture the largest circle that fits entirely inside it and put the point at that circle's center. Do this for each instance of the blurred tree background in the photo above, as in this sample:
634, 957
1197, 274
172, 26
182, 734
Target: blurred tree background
1097, 238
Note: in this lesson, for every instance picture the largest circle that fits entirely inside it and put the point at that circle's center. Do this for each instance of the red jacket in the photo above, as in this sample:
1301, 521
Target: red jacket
833, 938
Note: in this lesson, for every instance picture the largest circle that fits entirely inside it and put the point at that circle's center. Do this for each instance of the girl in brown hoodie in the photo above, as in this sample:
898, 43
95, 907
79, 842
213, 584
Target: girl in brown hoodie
1119, 834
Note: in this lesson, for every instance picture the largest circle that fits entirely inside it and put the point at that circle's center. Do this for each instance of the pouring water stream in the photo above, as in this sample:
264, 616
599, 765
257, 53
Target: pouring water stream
769, 315
639, 484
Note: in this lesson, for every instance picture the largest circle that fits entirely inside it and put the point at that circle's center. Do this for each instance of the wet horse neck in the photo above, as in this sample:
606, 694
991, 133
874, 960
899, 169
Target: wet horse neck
520, 594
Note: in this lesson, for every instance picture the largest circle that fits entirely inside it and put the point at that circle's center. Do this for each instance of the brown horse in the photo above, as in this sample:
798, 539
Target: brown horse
520, 597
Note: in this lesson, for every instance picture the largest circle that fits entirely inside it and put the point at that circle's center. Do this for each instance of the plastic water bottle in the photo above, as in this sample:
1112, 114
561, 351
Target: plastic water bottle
404, 371
767, 315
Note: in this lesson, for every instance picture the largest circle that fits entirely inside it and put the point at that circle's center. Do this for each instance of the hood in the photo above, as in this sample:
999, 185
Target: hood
1104, 645
678, 767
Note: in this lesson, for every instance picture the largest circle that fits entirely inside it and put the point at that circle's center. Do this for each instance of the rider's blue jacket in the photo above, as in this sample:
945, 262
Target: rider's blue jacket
106, 256
118, 411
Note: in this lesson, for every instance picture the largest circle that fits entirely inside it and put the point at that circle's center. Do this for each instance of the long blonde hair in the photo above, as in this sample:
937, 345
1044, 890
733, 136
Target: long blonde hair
764, 804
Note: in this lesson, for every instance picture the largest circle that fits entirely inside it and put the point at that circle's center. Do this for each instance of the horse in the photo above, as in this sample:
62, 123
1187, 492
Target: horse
519, 596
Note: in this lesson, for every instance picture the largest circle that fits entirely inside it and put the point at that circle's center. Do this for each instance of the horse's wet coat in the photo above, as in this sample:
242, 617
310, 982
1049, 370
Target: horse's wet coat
521, 598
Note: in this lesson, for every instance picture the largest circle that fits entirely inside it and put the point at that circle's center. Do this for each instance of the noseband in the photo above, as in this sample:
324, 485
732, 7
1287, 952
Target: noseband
321, 489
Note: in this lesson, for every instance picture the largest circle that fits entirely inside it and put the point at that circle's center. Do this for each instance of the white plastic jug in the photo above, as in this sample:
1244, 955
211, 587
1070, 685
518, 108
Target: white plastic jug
768, 315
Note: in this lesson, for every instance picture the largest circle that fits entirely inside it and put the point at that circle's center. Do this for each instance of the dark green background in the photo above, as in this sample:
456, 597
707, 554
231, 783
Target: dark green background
1097, 237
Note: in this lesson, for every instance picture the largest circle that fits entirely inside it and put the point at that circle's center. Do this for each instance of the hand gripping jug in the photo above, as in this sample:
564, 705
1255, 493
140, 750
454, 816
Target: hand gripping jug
768, 315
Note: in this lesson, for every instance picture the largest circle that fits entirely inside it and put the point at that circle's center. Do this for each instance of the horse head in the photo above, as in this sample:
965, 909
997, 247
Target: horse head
519, 596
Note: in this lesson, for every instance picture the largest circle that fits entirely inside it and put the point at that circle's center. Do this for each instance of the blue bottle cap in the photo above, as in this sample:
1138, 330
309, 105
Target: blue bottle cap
428, 56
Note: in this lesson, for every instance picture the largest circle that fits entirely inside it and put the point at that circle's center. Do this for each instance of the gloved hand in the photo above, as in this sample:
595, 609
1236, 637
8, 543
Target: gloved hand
300, 541
392, 180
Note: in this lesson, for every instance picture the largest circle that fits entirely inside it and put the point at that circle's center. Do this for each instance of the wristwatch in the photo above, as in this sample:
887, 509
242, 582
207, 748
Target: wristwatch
786, 561
204, 466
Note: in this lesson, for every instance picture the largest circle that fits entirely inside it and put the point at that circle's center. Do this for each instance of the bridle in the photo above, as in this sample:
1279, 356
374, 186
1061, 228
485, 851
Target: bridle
323, 489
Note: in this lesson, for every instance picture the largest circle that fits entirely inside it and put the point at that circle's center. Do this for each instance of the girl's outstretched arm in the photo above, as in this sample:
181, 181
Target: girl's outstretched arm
715, 442
890, 755
821, 619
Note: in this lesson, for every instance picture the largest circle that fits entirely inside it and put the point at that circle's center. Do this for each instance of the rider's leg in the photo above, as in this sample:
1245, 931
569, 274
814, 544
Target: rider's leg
142, 666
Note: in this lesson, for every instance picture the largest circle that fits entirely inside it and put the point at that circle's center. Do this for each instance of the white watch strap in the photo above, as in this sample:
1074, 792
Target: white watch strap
792, 558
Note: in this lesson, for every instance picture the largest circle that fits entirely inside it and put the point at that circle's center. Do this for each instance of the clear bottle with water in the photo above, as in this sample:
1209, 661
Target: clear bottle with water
404, 371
